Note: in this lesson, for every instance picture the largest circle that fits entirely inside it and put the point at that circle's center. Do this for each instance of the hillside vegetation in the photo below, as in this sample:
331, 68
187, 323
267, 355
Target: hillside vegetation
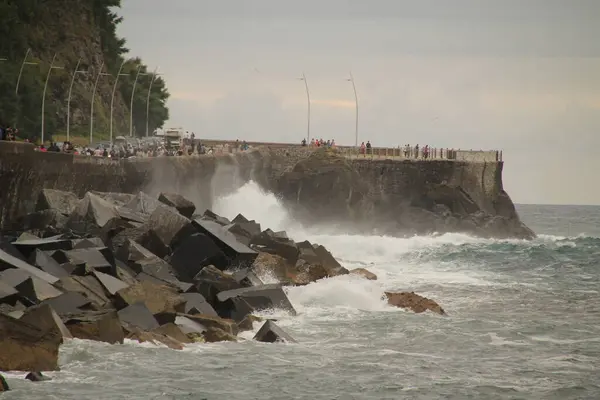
74, 30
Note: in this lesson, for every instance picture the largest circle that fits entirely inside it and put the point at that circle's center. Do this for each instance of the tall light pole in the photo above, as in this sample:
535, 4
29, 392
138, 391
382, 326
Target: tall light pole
52, 66
77, 71
23, 64
137, 75
154, 75
303, 78
112, 99
356, 103
100, 73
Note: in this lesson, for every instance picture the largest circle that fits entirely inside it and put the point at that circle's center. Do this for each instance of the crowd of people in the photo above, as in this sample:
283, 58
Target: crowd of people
319, 143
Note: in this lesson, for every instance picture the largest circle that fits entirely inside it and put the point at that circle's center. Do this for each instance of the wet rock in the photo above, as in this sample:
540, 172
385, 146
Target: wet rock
27, 348
29, 287
37, 377
157, 298
247, 277
247, 324
239, 255
110, 283
330, 264
194, 253
3, 384
137, 316
271, 333
177, 201
195, 303
101, 326
45, 318
68, 303
211, 281
173, 331
268, 242
191, 329
303, 273
211, 216
91, 212
170, 226
413, 302
364, 273
153, 337
258, 297
212, 335
208, 321
64, 202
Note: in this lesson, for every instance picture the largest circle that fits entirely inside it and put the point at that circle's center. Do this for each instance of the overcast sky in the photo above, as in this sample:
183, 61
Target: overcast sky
517, 75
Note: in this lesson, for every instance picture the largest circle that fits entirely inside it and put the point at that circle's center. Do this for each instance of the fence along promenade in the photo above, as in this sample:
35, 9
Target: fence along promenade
381, 153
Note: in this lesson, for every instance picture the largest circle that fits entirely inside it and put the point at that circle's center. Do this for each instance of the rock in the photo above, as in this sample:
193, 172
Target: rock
119, 199
46, 263
154, 337
8, 294
247, 277
240, 255
68, 303
258, 297
91, 212
88, 243
143, 203
271, 333
173, 331
132, 251
364, 273
191, 329
212, 335
194, 253
208, 321
330, 264
27, 247
269, 242
27, 348
211, 216
211, 281
157, 298
101, 326
87, 286
303, 273
95, 258
195, 303
3, 384
110, 283
45, 222
413, 302
30, 287
183, 205
64, 202
243, 231
170, 226
45, 318
129, 215
37, 377
247, 324
138, 316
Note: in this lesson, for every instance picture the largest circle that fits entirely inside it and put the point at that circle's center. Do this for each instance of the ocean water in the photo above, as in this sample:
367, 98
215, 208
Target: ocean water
524, 323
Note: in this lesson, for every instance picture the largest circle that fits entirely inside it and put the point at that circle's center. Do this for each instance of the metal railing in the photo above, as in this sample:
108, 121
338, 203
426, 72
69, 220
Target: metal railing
432, 154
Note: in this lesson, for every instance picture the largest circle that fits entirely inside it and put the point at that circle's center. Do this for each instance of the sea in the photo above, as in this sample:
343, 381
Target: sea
523, 323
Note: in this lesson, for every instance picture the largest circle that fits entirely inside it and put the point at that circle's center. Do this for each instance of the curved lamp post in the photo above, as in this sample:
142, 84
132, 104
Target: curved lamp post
75, 72
52, 66
23, 64
100, 73
303, 78
351, 79
137, 75
154, 75
112, 99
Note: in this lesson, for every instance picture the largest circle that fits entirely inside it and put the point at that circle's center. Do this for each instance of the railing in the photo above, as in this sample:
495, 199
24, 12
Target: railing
432, 154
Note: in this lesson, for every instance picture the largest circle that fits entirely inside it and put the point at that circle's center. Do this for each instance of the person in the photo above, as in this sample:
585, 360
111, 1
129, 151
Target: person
368, 147
304, 142
362, 148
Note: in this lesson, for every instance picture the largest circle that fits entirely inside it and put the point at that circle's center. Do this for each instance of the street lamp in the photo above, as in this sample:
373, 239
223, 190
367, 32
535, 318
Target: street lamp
356, 102
154, 75
23, 64
100, 73
52, 66
137, 75
303, 78
112, 99
77, 71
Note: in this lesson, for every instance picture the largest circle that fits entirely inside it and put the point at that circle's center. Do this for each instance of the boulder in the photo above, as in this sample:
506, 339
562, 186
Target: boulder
268, 242
92, 259
8, 294
330, 264
132, 251
244, 231
413, 302
119, 199
177, 201
143, 203
247, 324
68, 303
211, 281
111, 284
194, 253
211, 216
63, 202
364, 273
195, 303
212, 335
247, 277
92, 212
303, 273
27, 247
45, 318
137, 316
87, 286
27, 348
271, 333
174, 332
208, 321
37, 377
29, 287
239, 255
169, 226
44, 261
88, 243
153, 337
157, 298
191, 329
3, 384
101, 326
45, 222
258, 297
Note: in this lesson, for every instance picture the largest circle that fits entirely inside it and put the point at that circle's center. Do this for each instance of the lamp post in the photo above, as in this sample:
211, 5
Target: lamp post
154, 75
356, 102
100, 73
52, 66
23, 64
75, 72
112, 99
303, 78
137, 75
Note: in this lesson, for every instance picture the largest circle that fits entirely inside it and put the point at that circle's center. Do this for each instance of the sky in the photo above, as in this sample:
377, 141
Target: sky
522, 76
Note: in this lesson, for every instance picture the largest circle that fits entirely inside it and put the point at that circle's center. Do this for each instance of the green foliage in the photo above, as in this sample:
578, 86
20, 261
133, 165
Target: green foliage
72, 30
